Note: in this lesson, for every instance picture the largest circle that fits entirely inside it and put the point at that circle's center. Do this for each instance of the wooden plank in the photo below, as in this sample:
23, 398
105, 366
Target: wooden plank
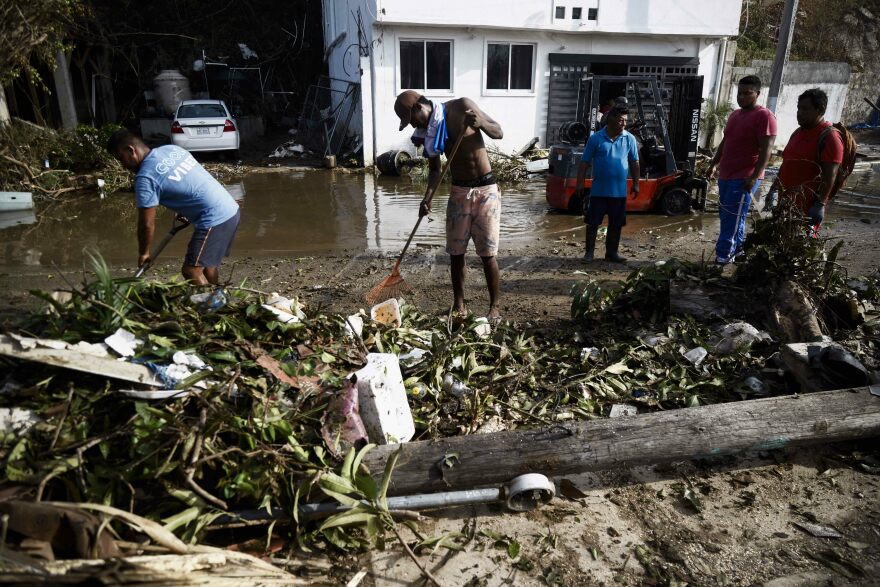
706, 431
70, 359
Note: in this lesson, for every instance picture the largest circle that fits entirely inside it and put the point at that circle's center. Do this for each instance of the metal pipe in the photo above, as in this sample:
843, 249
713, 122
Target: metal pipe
523, 493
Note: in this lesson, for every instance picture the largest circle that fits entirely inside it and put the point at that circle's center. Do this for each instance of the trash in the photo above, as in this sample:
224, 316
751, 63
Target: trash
738, 336
98, 349
188, 360
656, 340
818, 531
589, 352
28, 343
123, 342
77, 361
288, 149
837, 366
482, 327
384, 408
453, 386
696, 355
341, 426
286, 310
412, 357
619, 410
209, 301
17, 420
157, 394
570, 490
354, 325
755, 385
492, 425
538, 165
387, 313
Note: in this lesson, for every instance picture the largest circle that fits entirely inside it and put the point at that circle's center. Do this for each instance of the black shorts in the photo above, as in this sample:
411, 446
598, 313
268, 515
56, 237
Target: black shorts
596, 207
208, 246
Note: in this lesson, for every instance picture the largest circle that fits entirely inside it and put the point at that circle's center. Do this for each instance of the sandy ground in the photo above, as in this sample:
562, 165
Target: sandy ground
745, 533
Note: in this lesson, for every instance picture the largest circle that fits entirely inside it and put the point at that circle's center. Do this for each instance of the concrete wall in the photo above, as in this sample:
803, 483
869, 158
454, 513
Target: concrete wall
863, 46
634, 28
832, 78
663, 17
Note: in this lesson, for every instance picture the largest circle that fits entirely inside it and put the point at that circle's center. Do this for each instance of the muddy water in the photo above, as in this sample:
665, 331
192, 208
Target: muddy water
300, 213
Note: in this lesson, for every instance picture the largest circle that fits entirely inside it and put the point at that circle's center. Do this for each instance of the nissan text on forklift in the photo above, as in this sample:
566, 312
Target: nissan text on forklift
667, 145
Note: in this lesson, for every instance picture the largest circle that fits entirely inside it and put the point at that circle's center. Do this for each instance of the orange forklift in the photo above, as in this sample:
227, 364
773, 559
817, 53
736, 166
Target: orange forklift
667, 146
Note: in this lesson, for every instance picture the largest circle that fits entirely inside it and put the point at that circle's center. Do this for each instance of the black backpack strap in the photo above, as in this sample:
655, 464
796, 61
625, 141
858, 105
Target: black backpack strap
820, 146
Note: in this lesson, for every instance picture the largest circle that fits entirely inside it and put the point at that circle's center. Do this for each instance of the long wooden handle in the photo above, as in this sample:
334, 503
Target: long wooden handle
436, 185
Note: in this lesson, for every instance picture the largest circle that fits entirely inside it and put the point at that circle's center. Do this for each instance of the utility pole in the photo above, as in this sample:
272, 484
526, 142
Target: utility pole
783, 45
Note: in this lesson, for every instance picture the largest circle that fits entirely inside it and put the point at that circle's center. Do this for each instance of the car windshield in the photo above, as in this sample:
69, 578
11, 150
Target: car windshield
201, 111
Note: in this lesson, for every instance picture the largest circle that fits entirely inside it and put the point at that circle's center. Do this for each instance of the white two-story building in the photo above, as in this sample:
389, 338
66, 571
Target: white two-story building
520, 60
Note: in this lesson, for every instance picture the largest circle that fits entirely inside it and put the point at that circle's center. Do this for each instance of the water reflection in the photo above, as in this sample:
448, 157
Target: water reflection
300, 213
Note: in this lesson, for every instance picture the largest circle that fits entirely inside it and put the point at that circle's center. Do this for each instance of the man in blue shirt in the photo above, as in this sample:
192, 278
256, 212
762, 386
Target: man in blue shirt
172, 177
612, 152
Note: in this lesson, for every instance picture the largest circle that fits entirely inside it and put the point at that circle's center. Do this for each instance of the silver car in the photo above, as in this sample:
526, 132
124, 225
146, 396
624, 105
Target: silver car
205, 125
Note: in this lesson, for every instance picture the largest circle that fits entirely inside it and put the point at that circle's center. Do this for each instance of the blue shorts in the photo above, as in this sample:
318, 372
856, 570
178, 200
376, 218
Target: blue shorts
596, 207
208, 246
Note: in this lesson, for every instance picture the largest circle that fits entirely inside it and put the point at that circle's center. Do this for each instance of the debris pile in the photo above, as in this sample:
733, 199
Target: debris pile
51, 163
260, 402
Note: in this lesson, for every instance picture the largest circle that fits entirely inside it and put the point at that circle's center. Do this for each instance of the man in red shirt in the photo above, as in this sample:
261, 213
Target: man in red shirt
811, 159
743, 153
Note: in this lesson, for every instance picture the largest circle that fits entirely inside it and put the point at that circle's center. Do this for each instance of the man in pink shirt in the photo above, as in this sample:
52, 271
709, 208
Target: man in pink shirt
743, 153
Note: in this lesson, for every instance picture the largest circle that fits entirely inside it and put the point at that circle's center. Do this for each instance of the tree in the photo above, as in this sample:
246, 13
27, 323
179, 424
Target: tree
30, 30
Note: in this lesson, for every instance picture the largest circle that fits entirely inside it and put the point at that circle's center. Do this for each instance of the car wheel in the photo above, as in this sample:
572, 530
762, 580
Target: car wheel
675, 202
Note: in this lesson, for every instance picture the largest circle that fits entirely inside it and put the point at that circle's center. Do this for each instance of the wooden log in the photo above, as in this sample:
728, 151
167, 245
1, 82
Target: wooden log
674, 435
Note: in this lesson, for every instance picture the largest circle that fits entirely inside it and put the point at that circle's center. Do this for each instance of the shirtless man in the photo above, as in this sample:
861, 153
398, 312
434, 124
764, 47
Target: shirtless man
474, 208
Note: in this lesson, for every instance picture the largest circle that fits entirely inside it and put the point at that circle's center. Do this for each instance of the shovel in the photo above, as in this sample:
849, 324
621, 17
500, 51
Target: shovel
178, 224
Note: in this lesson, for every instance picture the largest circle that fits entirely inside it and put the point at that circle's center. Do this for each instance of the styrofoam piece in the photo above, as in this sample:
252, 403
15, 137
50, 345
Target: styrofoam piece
123, 342
188, 359
354, 325
482, 327
17, 420
382, 399
388, 313
618, 410
98, 349
696, 355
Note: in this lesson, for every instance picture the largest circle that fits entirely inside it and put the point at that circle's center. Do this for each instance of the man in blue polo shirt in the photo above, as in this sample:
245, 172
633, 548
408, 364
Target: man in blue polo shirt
172, 177
612, 152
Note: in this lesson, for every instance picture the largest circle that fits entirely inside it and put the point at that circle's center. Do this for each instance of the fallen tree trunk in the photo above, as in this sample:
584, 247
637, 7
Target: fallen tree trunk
675, 435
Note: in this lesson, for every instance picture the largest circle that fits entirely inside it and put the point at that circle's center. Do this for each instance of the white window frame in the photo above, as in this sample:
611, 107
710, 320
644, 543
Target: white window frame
508, 92
427, 91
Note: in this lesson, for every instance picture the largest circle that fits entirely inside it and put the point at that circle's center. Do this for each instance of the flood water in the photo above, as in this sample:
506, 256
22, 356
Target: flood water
302, 213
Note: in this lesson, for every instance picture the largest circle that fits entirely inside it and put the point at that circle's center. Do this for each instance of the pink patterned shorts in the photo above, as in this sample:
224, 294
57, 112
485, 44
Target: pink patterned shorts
473, 213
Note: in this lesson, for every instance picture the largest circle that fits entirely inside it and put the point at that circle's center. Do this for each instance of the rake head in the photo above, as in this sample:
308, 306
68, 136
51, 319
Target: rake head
390, 287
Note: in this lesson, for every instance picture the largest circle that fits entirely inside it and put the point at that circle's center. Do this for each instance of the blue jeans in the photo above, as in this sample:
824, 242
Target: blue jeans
733, 209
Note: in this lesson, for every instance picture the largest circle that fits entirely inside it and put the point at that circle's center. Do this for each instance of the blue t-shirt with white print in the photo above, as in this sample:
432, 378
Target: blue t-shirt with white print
172, 177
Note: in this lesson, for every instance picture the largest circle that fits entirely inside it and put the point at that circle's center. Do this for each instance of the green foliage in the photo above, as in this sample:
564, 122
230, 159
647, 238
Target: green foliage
25, 146
32, 30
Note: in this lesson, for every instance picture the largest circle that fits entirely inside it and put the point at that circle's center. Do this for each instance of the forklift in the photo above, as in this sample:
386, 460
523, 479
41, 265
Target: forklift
667, 145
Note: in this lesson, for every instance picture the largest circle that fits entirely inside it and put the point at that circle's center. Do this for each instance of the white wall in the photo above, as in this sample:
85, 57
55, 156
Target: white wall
835, 85
522, 116
689, 28
672, 17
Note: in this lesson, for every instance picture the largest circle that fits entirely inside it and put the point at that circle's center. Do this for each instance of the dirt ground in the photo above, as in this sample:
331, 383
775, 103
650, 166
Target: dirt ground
632, 527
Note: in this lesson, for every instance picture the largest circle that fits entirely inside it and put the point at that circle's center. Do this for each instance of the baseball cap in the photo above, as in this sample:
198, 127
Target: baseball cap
403, 106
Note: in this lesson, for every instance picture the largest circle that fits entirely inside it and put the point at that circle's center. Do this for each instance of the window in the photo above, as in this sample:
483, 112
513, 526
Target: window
560, 12
593, 14
426, 65
576, 13
509, 66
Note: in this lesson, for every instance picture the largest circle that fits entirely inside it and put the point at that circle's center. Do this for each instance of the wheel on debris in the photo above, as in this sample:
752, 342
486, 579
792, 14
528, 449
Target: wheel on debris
675, 202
